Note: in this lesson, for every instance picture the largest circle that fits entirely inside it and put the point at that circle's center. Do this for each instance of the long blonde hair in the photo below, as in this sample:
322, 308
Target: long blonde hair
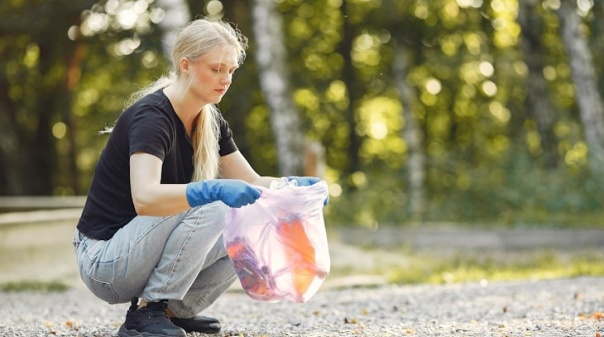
193, 41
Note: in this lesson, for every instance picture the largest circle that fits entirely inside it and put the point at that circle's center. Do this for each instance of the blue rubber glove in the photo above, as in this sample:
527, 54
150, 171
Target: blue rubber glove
234, 193
304, 181
307, 181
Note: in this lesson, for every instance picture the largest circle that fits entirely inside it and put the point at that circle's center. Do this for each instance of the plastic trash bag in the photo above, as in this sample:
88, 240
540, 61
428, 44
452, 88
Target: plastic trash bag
278, 244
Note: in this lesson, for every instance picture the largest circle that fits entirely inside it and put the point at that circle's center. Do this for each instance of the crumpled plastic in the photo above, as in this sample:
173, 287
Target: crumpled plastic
278, 245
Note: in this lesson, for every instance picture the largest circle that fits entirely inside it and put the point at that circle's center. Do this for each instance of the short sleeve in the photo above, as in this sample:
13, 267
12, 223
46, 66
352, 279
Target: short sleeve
151, 131
226, 142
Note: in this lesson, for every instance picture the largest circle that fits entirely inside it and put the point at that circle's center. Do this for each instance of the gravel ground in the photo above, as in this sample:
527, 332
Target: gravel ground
563, 307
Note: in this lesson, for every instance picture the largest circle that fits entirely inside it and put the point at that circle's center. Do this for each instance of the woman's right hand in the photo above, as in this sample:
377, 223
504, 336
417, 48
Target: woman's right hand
234, 193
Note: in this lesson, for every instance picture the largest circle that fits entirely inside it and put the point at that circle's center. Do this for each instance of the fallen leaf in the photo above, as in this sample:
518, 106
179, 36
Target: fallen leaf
596, 315
350, 321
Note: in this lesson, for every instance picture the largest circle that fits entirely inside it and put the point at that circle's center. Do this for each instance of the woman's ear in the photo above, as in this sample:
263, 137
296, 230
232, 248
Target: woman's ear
184, 65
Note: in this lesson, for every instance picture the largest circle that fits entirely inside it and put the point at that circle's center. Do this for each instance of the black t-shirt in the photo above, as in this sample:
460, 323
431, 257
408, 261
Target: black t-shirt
151, 126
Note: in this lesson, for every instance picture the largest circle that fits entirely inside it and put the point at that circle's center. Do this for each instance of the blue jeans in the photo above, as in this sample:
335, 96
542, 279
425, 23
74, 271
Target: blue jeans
180, 258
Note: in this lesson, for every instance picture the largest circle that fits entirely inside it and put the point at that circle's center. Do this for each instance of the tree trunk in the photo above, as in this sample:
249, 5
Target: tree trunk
271, 57
539, 103
412, 134
589, 99
352, 91
11, 159
177, 15
71, 81
31, 164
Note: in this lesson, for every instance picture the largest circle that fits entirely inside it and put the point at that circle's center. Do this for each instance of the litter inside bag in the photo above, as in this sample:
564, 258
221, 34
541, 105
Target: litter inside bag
278, 244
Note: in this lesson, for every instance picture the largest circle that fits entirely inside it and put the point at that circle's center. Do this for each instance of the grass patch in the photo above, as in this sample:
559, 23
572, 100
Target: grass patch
498, 267
34, 286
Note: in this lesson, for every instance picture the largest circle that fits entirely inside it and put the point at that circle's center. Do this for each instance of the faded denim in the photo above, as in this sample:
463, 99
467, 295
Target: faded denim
180, 258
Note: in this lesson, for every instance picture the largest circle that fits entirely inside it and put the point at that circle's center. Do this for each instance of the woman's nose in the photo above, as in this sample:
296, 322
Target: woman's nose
227, 79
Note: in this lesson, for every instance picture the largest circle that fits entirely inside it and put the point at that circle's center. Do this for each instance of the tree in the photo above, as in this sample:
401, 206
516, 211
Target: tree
412, 133
539, 103
35, 86
176, 16
270, 57
353, 89
244, 105
589, 99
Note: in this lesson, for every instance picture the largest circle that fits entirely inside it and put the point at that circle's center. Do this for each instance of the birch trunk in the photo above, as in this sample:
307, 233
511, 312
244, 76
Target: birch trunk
538, 96
412, 134
177, 15
589, 99
271, 58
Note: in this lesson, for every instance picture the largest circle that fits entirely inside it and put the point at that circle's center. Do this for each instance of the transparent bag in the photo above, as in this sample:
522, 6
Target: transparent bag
278, 244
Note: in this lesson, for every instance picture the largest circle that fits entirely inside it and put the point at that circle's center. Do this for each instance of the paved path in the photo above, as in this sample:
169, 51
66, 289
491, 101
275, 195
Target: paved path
566, 307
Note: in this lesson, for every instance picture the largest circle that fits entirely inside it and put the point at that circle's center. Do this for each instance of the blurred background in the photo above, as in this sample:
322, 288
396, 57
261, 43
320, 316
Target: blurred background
476, 114
456, 110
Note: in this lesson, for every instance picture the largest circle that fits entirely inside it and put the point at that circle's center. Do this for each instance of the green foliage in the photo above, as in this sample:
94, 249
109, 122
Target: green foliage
512, 194
542, 265
34, 286
64, 80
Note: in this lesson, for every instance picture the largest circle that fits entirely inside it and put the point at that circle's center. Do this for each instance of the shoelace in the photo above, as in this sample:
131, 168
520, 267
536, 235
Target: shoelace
153, 309
133, 304
156, 309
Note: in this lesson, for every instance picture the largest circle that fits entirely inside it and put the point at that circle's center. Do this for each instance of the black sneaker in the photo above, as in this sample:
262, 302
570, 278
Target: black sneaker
202, 324
149, 321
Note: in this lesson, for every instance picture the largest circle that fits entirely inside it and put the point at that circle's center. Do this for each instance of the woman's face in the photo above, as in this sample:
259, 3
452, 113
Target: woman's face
212, 73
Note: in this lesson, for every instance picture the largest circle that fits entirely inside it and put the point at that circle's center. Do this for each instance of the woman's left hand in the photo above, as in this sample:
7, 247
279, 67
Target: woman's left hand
307, 181
304, 181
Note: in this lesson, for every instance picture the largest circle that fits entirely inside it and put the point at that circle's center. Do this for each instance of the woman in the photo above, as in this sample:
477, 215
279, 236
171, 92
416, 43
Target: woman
152, 224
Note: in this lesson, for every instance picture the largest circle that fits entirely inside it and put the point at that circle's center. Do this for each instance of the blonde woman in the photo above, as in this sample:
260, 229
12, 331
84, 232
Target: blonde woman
152, 225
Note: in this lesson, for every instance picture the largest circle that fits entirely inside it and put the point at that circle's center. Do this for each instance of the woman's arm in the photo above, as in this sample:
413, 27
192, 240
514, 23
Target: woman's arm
235, 166
149, 196
152, 198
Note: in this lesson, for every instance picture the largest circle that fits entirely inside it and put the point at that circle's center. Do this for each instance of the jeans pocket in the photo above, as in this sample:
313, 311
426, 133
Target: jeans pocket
93, 249
102, 290
88, 254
